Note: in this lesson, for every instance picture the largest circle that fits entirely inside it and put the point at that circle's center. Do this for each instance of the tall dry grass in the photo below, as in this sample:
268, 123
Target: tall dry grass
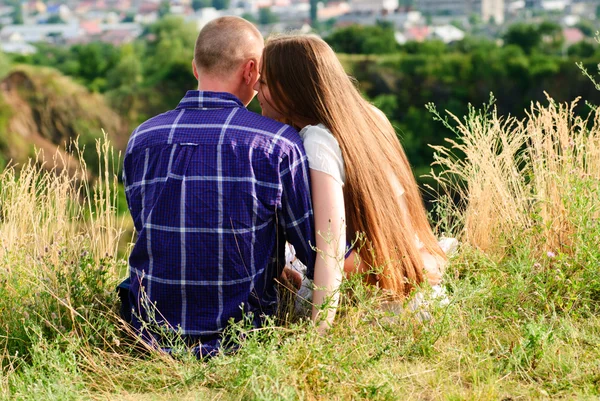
59, 237
42, 207
511, 177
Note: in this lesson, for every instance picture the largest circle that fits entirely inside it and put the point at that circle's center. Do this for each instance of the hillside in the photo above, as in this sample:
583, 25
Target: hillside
42, 109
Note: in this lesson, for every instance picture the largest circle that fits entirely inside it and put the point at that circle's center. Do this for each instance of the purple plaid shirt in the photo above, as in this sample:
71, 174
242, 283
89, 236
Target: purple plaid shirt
214, 191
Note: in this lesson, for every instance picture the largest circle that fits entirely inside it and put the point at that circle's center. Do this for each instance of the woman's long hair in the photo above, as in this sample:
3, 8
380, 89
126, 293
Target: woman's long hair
308, 85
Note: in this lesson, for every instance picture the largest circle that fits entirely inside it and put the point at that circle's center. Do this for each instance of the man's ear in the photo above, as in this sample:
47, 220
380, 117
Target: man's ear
250, 72
195, 69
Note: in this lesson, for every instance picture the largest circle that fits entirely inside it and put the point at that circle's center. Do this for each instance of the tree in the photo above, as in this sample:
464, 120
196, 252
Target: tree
526, 36
17, 15
266, 16
552, 36
313, 12
95, 60
164, 9
129, 17
359, 39
55, 19
249, 17
174, 42
128, 70
586, 27
582, 50
220, 4
199, 4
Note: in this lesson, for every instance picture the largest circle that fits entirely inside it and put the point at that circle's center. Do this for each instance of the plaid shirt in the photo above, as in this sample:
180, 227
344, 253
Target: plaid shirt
214, 191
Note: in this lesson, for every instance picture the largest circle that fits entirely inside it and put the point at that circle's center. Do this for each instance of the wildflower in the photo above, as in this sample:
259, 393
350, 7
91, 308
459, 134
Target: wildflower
26, 315
537, 265
551, 254
53, 316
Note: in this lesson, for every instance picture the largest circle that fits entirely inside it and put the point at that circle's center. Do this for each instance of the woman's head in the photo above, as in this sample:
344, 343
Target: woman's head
302, 82
299, 74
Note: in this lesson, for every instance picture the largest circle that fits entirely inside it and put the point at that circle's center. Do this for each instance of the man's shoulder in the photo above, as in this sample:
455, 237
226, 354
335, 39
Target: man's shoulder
278, 135
163, 121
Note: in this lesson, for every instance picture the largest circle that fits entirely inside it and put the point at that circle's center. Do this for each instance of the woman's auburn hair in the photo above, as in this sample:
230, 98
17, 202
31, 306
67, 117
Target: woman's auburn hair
308, 85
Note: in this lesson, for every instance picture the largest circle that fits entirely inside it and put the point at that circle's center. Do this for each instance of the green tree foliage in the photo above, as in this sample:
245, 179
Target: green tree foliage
220, 4
198, 4
526, 36
249, 17
266, 16
164, 9
546, 37
552, 36
587, 27
17, 14
173, 43
55, 19
128, 72
357, 39
95, 60
582, 50
313, 12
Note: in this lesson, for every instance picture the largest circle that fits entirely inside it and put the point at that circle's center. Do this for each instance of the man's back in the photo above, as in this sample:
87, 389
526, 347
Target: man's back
212, 189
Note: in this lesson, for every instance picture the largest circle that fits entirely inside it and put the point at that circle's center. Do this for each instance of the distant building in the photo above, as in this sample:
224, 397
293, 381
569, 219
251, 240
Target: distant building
447, 33
488, 10
399, 19
13, 42
572, 36
70, 33
43, 33
373, 6
548, 5
204, 16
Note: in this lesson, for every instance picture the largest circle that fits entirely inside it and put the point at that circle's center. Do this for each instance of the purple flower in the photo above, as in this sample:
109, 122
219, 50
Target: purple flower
551, 254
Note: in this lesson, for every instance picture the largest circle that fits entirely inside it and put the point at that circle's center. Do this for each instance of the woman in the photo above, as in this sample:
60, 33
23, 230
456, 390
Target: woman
360, 177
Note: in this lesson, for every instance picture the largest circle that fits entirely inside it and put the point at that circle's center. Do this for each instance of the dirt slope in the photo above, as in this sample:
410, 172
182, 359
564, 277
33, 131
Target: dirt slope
45, 110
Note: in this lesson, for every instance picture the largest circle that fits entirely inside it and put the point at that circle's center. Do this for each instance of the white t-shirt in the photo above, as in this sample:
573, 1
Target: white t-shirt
323, 151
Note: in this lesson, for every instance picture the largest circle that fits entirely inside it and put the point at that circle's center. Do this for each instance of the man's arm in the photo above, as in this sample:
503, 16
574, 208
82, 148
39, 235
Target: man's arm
296, 212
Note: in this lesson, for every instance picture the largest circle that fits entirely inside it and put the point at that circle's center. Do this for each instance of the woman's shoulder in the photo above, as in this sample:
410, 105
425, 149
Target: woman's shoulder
316, 131
319, 136
323, 151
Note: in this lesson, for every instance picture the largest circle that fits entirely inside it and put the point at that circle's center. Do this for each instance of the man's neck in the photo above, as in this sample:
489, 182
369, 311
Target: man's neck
214, 85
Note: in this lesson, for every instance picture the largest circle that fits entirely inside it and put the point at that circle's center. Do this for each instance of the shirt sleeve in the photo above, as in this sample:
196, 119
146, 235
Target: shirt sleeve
324, 153
296, 213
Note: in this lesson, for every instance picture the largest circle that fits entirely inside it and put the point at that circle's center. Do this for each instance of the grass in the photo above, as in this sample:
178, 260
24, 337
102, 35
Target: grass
523, 322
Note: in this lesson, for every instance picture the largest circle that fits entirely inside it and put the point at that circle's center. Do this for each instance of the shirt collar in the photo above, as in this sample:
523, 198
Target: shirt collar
209, 100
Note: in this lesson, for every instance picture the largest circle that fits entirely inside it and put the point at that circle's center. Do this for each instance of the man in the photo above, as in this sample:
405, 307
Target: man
215, 191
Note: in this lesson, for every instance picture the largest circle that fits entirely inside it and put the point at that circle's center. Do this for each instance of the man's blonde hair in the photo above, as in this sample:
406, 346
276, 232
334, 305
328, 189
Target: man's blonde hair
225, 43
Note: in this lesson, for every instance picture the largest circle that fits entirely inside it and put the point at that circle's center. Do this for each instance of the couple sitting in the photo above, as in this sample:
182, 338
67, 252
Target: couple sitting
216, 191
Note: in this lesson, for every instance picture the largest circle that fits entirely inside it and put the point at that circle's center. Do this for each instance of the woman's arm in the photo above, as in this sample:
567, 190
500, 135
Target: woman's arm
329, 217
